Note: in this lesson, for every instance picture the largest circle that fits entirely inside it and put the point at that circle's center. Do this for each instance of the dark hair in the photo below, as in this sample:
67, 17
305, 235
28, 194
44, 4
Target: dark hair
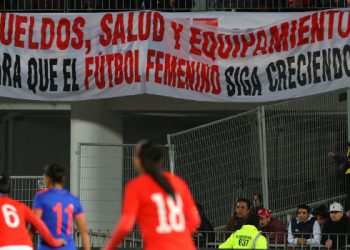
55, 172
4, 186
151, 156
304, 206
253, 219
259, 197
322, 211
247, 201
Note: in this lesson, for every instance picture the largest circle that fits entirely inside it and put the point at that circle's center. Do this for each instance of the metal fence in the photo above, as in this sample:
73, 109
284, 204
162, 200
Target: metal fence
167, 5
299, 134
23, 188
221, 162
103, 171
279, 151
212, 239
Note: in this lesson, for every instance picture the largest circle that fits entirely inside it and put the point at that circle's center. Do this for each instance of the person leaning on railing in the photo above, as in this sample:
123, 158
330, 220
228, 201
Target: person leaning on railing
336, 231
272, 228
242, 213
304, 229
205, 232
321, 214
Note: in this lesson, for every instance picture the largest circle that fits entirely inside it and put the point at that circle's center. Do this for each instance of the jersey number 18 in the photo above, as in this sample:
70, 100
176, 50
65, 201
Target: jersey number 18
174, 221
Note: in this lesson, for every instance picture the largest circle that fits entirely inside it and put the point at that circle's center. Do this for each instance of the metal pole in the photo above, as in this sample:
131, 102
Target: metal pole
78, 153
171, 154
65, 7
263, 155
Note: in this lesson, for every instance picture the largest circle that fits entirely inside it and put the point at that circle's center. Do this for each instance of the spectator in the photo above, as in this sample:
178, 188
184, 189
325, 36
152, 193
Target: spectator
321, 215
299, 4
338, 224
205, 232
257, 203
242, 213
304, 229
343, 162
248, 237
89, 5
272, 228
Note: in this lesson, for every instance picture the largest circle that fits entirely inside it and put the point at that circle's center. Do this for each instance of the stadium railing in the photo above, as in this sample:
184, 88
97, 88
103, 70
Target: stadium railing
168, 5
99, 238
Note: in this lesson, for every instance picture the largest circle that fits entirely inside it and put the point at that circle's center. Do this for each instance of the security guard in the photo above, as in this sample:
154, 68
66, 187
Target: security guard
248, 237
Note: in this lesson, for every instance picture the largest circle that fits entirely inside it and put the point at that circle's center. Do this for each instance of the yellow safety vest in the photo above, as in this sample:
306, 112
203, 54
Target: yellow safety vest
248, 237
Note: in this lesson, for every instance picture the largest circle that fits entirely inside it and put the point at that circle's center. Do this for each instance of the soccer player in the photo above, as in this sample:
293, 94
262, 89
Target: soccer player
58, 207
13, 218
160, 202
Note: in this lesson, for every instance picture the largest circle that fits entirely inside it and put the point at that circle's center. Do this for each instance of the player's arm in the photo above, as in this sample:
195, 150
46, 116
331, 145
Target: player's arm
124, 226
37, 212
193, 219
82, 228
127, 219
42, 229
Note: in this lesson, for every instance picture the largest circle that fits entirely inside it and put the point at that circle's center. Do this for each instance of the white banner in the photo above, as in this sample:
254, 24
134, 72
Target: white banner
194, 56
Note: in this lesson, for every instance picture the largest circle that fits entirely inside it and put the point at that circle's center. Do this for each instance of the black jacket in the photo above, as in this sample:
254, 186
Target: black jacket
339, 227
206, 233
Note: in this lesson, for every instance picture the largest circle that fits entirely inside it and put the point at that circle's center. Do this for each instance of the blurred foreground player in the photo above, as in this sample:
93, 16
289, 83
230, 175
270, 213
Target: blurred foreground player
160, 202
13, 218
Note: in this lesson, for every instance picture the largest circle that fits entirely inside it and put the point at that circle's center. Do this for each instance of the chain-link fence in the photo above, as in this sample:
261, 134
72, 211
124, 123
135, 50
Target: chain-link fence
104, 169
279, 151
24, 188
299, 134
220, 162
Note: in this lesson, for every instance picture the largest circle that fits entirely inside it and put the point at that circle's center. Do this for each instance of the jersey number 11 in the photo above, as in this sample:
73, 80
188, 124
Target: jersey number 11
59, 211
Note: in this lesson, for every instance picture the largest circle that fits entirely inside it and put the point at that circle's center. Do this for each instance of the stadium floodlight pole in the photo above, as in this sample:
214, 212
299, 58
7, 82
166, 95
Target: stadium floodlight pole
171, 154
263, 155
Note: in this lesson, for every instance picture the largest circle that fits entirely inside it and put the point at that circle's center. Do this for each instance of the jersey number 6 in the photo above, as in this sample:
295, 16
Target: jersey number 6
10, 215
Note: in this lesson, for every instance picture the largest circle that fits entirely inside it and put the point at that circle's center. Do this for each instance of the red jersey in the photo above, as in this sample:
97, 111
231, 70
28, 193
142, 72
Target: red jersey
13, 218
165, 223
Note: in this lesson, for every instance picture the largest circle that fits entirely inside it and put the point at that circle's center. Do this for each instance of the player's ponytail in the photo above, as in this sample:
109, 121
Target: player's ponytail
55, 172
4, 185
151, 157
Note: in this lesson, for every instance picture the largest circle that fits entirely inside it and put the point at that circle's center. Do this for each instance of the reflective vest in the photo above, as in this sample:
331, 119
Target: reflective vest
248, 237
